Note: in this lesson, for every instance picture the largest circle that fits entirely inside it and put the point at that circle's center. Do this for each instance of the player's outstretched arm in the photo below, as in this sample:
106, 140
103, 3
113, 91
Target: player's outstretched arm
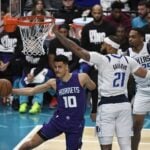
37, 89
72, 46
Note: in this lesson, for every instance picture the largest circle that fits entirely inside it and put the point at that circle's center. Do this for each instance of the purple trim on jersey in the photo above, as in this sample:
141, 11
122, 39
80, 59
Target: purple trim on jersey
108, 58
116, 56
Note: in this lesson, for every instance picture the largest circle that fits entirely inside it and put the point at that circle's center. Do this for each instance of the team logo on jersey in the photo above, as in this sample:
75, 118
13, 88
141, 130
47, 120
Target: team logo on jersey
97, 129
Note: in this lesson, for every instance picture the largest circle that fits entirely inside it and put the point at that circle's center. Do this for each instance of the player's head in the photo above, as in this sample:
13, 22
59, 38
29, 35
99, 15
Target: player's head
136, 37
111, 44
61, 67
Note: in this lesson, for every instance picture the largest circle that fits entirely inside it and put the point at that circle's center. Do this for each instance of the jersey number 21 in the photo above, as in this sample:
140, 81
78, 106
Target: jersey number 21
119, 79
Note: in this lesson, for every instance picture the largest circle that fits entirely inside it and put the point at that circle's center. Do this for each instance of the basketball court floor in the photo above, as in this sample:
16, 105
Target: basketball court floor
16, 128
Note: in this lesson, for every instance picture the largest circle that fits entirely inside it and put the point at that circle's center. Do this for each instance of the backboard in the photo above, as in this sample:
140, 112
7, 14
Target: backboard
15, 8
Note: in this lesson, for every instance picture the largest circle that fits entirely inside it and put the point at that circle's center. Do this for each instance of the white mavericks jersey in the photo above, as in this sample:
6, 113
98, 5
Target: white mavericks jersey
143, 58
113, 72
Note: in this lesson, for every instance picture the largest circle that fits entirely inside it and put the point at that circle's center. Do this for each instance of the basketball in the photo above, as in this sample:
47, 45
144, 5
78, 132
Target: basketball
5, 87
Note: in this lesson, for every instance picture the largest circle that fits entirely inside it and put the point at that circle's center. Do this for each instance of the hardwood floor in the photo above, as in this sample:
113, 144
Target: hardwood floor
90, 141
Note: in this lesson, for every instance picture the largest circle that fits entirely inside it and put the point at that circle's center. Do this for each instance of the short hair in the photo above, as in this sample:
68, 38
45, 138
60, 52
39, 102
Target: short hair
65, 26
143, 3
140, 31
62, 58
116, 4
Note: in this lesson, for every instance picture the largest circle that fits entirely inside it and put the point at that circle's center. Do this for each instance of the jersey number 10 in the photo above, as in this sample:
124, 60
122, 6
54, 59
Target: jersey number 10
70, 101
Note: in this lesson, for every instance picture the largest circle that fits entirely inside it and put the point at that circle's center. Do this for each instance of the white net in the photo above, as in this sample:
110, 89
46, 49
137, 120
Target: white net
33, 36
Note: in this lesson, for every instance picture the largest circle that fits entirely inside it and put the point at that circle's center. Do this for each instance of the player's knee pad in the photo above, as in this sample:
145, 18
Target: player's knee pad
107, 140
124, 143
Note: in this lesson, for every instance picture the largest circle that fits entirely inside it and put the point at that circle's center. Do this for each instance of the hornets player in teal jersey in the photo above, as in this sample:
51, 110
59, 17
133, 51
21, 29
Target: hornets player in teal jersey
69, 115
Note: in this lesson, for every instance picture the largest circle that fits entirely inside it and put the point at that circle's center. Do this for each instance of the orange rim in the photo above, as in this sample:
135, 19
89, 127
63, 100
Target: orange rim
22, 21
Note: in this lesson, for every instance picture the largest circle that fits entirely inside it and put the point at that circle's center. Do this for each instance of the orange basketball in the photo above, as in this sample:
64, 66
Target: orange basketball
5, 87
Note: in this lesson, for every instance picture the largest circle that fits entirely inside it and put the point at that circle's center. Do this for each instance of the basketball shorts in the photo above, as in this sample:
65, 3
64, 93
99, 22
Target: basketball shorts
114, 119
73, 132
141, 103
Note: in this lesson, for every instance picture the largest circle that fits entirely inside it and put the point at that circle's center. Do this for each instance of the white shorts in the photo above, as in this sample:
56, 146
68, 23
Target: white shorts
114, 119
141, 103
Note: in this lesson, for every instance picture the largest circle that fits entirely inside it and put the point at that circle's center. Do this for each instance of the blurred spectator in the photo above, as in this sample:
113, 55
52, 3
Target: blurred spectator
117, 17
106, 4
133, 4
93, 33
140, 20
68, 11
86, 3
56, 48
146, 28
11, 58
123, 37
38, 9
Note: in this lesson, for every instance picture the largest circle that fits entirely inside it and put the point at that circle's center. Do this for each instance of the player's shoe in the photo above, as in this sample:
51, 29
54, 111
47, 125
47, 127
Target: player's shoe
53, 103
36, 108
23, 108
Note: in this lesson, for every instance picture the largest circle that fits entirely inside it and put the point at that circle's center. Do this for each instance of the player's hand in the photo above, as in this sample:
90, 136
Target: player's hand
93, 117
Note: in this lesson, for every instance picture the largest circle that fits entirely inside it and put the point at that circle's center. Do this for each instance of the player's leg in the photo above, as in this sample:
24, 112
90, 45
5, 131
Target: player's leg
138, 121
33, 142
105, 125
106, 142
48, 131
74, 137
124, 143
124, 126
141, 106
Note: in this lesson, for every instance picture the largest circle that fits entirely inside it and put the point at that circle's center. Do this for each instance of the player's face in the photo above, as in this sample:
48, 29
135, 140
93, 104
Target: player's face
135, 39
105, 48
60, 69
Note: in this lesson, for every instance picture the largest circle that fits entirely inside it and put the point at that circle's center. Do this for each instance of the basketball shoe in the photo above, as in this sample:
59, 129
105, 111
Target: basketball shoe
36, 108
23, 108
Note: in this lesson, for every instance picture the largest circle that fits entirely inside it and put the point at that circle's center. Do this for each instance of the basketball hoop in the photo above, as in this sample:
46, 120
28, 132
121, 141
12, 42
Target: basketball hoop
33, 29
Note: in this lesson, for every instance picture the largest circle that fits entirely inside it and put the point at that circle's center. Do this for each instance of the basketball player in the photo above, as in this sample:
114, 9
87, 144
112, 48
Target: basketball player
114, 110
69, 116
140, 51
